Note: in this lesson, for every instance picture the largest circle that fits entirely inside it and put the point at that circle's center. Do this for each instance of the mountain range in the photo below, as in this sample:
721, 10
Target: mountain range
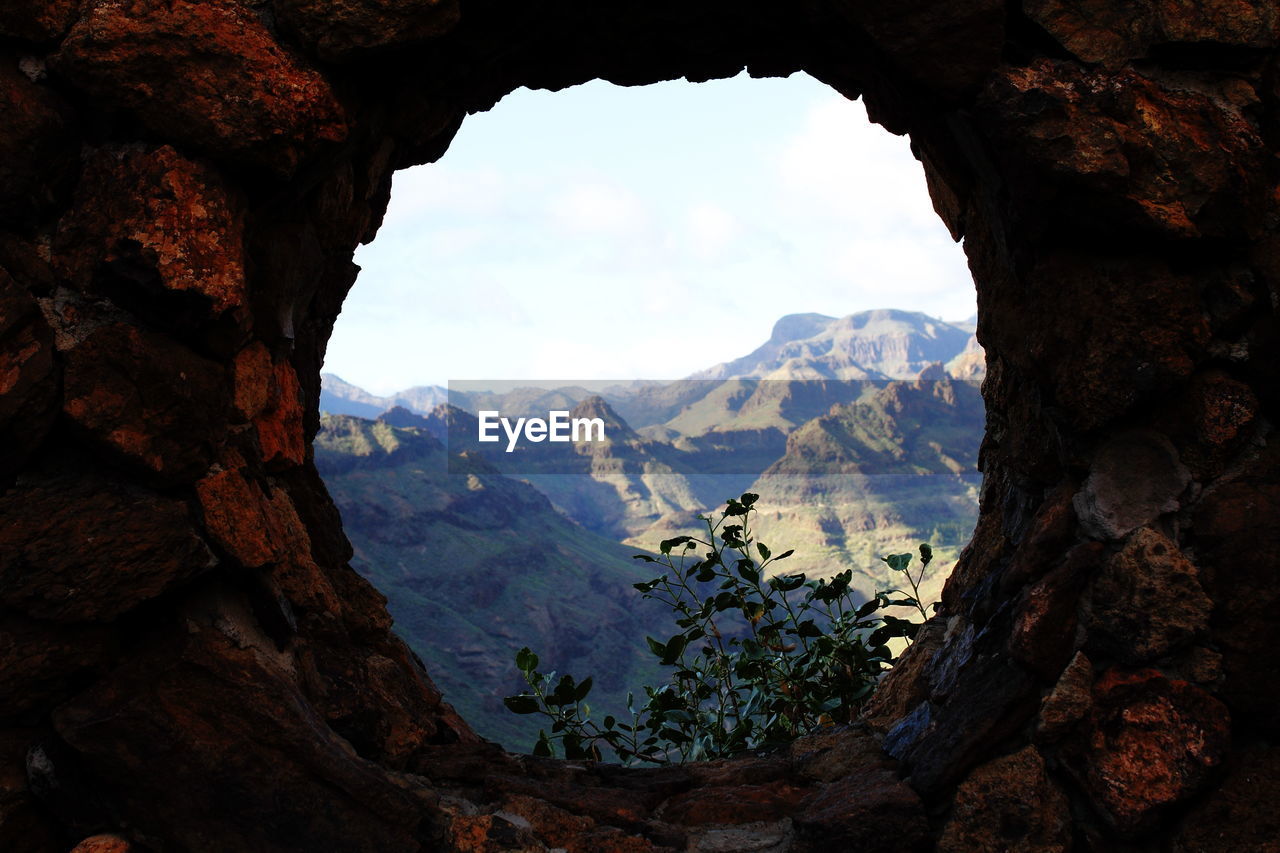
859, 433
872, 345
342, 398
883, 344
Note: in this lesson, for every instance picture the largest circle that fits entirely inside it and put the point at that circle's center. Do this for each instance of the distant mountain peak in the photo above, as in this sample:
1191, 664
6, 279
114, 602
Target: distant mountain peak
884, 343
860, 319
933, 372
339, 397
399, 416
795, 327
596, 406
447, 413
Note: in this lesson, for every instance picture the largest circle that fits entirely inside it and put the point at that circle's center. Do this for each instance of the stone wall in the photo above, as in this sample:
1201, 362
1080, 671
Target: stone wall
188, 661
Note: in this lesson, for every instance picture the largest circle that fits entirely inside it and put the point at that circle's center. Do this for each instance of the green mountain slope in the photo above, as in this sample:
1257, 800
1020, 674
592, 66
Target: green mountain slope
474, 565
896, 468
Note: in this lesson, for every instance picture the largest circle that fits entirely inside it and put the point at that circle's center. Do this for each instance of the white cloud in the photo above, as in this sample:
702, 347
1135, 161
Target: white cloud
598, 208
710, 230
439, 188
841, 165
854, 202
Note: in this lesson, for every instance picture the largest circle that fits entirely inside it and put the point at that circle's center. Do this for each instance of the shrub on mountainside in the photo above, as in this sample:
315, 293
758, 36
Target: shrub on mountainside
759, 658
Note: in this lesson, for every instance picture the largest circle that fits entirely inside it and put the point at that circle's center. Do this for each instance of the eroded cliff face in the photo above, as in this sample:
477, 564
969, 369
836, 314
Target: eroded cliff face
186, 659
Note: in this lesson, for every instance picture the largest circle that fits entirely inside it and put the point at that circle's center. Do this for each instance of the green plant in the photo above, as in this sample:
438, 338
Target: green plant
760, 658
902, 563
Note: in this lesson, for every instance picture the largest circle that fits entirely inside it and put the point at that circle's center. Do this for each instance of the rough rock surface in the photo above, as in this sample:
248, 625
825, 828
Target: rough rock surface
1135, 479
104, 844
1068, 702
1148, 745
37, 151
177, 237
136, 545
339, 29
147, 398
209, 74
29, 399
1009, 804
1238, 815
1146, 601
188, 660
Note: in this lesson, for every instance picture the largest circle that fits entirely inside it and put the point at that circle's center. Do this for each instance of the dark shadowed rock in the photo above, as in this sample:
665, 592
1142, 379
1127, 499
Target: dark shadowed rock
1009, 804
37, 22
136, 545
38, 145
870, 810
42, 663
337, 29
831, 755
1133, 481
991, 699
1069, 701
25, 827
1044, 629
1097, 31
1212, 421
267, 775
148, 399
1240, 815
1146, 601
28, 379
735, 805
1049, 534
1238, 551
951, 47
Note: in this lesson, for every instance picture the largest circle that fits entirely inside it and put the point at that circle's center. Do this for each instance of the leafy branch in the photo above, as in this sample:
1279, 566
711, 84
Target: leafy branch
759, 658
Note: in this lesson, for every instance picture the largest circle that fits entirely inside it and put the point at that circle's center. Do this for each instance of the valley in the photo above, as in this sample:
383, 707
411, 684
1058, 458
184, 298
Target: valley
860, 434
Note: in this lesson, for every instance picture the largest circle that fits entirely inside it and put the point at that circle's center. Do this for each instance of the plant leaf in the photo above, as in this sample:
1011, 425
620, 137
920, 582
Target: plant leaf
521, 704
526, 660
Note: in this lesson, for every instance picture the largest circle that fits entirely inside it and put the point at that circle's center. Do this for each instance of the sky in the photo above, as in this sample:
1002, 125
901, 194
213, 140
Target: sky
605, 232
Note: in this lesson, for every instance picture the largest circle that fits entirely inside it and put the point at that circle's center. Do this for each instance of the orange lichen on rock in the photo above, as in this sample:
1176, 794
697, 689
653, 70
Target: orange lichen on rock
1150, 743
280, 425
209, 74
235, 513
155, 210
251, 376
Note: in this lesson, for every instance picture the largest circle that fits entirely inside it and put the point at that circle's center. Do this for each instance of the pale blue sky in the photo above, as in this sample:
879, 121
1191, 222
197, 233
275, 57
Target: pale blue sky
604, 232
